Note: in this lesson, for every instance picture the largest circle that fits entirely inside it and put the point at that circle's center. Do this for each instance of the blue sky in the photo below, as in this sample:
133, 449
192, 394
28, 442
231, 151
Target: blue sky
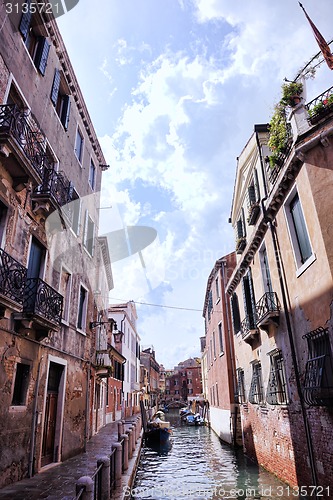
174, 88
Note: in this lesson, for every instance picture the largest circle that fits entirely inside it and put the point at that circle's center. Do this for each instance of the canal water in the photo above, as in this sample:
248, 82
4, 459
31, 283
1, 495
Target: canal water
196, 465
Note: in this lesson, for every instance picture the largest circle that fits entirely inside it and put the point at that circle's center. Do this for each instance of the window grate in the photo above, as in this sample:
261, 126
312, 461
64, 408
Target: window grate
277, 387
256, 391
318, 380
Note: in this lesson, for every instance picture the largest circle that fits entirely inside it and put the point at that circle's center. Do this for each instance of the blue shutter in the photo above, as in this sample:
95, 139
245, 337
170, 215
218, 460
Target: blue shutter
66, 108
55, 87
43, 49
25, 22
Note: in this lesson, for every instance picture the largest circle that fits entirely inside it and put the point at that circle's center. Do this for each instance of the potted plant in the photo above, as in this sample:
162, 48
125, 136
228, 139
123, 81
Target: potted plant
291, 93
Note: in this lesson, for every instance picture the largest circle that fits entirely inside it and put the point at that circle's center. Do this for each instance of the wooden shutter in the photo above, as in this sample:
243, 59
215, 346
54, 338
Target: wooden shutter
66, 108
252, 195
25, 22
55, 87
256, 185
43, 49
240, 228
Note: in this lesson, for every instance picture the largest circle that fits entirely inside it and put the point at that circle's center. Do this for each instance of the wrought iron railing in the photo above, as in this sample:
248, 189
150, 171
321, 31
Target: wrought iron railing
320, 106
318, 382
40, 298
14, 122
248, 325
12, 278
55, 185
269, 303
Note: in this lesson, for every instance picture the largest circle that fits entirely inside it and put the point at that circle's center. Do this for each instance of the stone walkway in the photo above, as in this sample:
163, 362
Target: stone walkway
58, 481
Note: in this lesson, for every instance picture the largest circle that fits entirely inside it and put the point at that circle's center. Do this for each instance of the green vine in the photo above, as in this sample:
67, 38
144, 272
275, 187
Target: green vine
278, 135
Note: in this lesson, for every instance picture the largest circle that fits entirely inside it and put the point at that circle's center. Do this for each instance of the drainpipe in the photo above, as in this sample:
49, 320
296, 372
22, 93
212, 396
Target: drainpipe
87, 426
292, 348
232, 353
34, 423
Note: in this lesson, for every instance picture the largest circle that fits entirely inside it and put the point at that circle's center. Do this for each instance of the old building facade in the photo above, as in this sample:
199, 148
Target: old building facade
52, 263
218, 365
126, 317
184, 381
281, 295
152, 369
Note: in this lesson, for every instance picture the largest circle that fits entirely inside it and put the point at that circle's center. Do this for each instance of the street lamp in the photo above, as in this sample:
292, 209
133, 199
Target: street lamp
117, 334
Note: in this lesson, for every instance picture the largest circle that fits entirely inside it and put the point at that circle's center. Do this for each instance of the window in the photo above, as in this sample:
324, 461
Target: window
82, 309
92, 174
235, 313
3, 220
65, 290
189, 381
220, 337
60, 98
88, 238
214, 347
79, 145
217, 395
241, 386
217, 288
318, 382
249, 302
277, 389
298, 231
21, 385
256, 392
240, 233
36, 44
210, 304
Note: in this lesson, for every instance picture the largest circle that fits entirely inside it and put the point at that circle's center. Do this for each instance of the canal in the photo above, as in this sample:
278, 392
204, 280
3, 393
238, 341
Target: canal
196, 465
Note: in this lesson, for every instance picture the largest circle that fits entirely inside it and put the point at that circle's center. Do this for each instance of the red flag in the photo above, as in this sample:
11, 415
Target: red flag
323, 45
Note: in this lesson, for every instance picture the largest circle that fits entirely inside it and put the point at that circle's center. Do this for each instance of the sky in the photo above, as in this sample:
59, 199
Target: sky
174, 88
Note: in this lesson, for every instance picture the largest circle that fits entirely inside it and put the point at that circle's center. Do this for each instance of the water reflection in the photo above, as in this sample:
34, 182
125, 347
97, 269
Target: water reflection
199, 466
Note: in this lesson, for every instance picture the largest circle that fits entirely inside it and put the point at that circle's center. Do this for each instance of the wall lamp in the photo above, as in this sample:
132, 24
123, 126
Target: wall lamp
117, 334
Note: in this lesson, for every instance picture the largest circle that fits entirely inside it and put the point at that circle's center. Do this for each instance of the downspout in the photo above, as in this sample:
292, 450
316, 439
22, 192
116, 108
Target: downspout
232, 356
292, 347
87, 426
34, 423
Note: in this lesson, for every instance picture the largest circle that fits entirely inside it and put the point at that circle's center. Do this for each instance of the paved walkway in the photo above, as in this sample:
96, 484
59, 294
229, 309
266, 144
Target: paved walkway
58, 481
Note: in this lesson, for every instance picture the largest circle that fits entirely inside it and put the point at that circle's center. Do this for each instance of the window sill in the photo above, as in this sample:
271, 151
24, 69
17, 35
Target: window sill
82, 332
221, 353
17, 409
217, 300
305, 266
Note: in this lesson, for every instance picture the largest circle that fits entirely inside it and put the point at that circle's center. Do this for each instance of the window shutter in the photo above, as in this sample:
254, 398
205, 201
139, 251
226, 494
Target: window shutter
25, 22
243, 222
66, 108
256, 185
235, 312
55, 87
240, 228
85, 230
252, 195
43, 49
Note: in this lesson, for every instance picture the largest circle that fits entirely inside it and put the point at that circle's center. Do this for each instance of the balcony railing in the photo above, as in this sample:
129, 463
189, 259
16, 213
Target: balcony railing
321, 106
12, 278
103, 363
249, 328
15, 124
267, 309
55, 186
43, 300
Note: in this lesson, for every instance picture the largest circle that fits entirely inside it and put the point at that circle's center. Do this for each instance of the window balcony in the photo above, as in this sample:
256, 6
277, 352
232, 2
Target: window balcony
254, 211
249, 329
268, 310
103, 363
42, 307
318, 383
12, 281
21, 145
240, 244
54, 191
321, 106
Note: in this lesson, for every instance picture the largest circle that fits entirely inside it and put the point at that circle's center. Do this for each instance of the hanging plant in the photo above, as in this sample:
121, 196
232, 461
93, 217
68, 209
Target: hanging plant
278, 135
